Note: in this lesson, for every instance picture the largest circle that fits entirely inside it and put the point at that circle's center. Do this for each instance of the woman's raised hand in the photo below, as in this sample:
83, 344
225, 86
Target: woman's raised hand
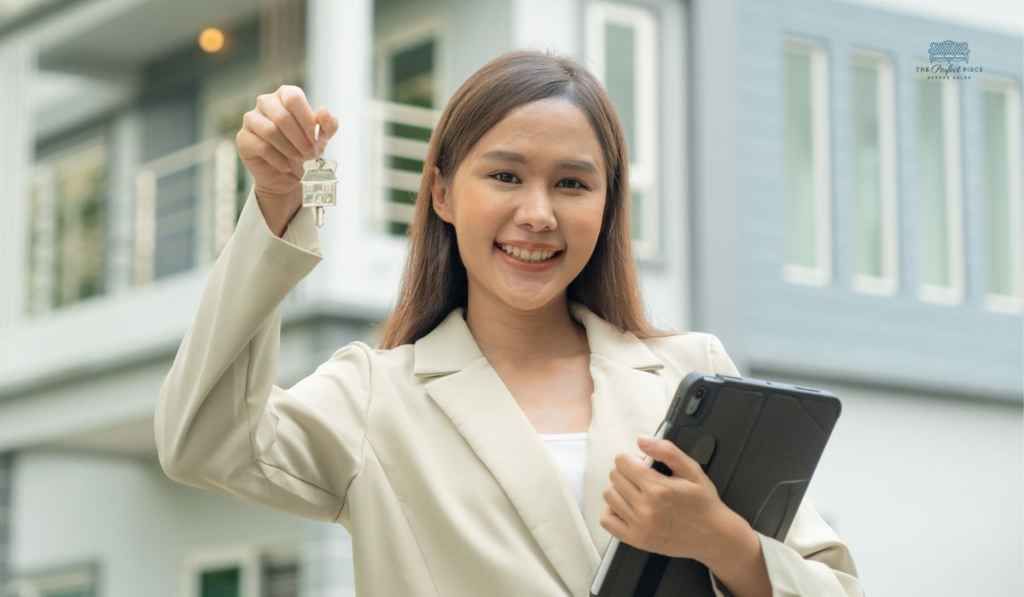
275, 138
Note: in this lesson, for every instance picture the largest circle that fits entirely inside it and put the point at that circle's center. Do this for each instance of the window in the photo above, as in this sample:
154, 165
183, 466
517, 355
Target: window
1004, 224
940, 238
72, 581
807, 183
874, 174
407, 83
243, 571
622, 50
67, 232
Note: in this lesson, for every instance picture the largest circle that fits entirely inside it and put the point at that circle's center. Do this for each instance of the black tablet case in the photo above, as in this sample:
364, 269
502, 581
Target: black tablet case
759, 442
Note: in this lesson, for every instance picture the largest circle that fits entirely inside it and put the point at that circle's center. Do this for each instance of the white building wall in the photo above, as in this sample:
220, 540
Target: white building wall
927, 491
139, 526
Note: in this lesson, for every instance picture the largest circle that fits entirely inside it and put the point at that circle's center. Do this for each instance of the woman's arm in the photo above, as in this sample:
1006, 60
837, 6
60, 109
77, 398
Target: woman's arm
221, 422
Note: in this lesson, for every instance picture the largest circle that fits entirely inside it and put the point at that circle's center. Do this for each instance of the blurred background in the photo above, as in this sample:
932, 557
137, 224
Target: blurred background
826, 185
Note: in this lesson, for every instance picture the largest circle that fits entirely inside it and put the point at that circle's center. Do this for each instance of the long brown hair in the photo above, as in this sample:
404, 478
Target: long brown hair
435, 279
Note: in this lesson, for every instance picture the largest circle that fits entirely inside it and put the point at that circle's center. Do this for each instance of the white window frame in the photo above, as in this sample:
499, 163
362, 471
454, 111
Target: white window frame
885, 284
643, 173
413, 34
820, 134
65, 579
999, 302
954, 293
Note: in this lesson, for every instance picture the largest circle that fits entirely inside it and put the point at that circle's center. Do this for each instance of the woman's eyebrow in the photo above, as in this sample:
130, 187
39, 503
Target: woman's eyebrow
512, 156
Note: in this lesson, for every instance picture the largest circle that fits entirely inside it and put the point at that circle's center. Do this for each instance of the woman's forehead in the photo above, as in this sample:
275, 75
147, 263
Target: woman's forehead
549, 129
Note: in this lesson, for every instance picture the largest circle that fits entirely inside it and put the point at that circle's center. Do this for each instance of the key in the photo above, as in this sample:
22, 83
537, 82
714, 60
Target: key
319, 184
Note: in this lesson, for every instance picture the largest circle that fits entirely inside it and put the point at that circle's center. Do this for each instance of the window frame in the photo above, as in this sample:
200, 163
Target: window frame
1013, 303
888, 282
821, 275
62, 578
953, 170
643, 174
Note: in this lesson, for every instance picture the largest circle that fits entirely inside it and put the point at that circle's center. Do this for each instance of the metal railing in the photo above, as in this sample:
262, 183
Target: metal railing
416, 124
210, 194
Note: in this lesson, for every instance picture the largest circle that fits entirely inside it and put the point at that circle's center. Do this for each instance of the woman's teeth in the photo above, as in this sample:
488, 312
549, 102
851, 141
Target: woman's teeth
525, 255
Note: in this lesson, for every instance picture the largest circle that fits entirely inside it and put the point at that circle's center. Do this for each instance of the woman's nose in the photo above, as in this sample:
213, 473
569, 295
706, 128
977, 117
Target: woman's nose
536, 211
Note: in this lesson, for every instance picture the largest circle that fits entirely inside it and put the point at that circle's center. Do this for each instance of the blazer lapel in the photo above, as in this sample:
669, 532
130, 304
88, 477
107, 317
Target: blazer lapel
469, 391
630, 398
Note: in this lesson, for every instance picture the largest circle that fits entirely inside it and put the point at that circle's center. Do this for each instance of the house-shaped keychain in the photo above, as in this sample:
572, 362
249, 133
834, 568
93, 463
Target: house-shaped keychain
319, 186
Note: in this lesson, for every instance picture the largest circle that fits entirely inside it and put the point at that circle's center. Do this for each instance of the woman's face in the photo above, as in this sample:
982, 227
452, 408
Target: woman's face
533, 186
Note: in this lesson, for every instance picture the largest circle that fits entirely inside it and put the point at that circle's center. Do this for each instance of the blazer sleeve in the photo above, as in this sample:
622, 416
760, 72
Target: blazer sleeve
221, 423
813, 561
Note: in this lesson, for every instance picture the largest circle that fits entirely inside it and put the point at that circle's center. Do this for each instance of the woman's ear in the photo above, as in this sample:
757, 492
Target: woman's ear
439, 197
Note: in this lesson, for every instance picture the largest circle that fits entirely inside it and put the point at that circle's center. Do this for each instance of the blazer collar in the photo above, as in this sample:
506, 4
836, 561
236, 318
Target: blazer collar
629, 399
450, 346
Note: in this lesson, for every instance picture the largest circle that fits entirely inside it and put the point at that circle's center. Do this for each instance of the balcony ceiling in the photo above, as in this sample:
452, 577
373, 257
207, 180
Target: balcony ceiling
137, 36
130, 438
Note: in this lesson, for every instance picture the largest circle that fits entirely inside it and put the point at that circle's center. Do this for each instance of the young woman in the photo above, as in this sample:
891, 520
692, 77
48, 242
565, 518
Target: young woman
492, 444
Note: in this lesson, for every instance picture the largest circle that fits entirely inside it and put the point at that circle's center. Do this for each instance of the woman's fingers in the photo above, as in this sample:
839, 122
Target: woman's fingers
619, 505
284, 131
294, 100
257, 123
251, 147
328, 128
626, 488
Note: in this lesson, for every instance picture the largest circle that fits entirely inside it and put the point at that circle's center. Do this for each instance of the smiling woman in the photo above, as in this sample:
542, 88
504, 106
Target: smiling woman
519, 324
529, 154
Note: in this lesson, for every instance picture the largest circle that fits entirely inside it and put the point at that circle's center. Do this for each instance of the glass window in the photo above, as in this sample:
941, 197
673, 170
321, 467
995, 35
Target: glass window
940, 240
68, 238
874, 186
281, 579
622, 51
1001, 126
806, 166
222, 582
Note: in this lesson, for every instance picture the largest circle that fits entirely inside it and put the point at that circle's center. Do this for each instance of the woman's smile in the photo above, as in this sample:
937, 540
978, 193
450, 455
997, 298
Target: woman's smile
527, 262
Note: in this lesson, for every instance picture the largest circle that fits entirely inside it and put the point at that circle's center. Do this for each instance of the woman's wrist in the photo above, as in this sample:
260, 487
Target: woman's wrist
278, 210
736, 558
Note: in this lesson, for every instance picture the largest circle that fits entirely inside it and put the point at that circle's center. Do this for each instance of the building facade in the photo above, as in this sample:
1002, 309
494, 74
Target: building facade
805, 185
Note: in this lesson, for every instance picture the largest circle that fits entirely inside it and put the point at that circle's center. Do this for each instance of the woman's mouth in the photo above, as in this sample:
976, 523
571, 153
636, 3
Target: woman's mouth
531, 261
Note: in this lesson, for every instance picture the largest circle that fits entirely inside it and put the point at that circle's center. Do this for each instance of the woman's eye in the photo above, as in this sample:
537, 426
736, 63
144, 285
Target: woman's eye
509, 178
581, 187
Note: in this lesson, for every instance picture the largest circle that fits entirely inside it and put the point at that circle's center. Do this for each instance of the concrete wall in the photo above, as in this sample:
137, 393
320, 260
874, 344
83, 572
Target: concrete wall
927, 491
126, 516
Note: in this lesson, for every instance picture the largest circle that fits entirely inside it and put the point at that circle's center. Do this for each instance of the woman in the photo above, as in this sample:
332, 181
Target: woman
519, 323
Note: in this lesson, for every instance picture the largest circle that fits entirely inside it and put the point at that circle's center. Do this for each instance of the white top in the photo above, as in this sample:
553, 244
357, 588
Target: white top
569, 451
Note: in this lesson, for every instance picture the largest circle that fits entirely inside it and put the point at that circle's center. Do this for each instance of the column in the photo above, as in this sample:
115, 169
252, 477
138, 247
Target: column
126, 149
553, 25
17, 64
339, 55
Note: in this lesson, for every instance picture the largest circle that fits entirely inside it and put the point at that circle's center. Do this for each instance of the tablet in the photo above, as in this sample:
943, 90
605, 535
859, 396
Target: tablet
759, 443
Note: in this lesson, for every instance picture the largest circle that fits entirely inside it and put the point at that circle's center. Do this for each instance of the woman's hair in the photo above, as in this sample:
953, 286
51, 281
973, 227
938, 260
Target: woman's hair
435, 279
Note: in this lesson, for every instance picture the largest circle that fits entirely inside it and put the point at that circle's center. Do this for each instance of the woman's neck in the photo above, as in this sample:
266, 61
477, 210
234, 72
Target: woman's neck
506, 334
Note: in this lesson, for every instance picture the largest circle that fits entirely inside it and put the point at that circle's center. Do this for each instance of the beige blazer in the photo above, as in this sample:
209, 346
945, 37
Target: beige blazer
420, 451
